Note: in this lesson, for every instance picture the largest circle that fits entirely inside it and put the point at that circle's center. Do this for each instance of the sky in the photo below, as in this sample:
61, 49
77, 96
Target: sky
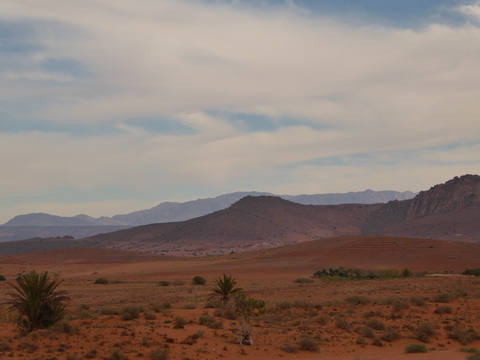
112, 106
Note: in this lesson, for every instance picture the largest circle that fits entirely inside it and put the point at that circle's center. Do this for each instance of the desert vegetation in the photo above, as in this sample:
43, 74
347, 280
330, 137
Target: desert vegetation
37, 301
239, 316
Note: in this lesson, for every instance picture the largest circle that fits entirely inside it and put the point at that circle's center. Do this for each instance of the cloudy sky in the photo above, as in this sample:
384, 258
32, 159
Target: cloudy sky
111, 106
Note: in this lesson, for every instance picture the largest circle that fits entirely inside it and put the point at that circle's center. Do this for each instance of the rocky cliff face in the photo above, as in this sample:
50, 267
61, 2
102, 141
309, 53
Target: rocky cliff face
452, 196
461, 194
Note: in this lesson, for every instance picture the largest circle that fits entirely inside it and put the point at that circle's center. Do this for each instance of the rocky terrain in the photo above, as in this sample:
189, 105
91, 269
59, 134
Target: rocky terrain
446, 211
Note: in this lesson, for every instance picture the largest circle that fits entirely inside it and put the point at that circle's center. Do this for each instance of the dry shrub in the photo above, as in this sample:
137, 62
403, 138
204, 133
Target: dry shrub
130, 312
357, 300
366, 331
415, 348
179, 322
475, 356
390, 334
308, 343
424, 331
443, 309
463, 336
418, 301
342, 324
158, 307
303, 281
159, 354
376, 324
116, 354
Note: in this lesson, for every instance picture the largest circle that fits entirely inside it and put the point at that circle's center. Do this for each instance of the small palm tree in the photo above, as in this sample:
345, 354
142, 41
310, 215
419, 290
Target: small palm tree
37, 301
224, 288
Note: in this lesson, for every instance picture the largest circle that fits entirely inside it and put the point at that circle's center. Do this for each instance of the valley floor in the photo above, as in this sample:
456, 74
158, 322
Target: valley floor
329, 319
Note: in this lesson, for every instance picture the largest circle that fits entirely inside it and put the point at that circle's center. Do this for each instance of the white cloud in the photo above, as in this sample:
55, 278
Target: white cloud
347, 89
472, 11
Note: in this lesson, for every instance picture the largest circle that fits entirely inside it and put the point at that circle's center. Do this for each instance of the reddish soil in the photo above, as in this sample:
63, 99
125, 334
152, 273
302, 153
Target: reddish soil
337, 314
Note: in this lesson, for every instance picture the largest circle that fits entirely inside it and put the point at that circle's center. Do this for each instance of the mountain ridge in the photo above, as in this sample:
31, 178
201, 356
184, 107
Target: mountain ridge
45, 225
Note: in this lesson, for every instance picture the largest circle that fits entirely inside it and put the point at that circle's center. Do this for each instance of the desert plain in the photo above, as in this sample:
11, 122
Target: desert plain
135, 316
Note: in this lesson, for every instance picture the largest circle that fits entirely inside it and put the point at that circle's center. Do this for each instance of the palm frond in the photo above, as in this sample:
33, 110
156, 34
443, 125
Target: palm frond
37, 301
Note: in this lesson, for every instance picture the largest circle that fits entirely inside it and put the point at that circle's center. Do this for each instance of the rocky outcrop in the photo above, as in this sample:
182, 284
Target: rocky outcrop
456, 195
452, 196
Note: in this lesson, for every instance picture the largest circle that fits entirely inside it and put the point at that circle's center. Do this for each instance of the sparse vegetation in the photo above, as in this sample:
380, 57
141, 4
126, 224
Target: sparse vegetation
37, 301
198, 280
357, 299
424, 331
2, 278
308, 343
415, 348
474, 272
390, 334
290, 348
159, 354
179, 322
164, 283
463, 336
224, 288
359, 274
303, 281
443, 309
376, 324
130, 312
102, 280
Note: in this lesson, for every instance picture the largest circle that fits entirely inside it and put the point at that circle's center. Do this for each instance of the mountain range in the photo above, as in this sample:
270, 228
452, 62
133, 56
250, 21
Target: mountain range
80, 226
448, 211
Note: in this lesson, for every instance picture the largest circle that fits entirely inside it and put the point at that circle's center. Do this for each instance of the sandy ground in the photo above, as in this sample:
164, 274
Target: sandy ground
347, 319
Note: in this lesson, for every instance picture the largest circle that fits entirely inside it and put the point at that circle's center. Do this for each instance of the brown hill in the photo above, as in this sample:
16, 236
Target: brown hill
446, 211
251, 223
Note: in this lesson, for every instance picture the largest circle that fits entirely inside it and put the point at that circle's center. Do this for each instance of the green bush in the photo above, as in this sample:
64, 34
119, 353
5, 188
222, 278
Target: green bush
2, 278
415, 348
475, 272
164, 283
198, 280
